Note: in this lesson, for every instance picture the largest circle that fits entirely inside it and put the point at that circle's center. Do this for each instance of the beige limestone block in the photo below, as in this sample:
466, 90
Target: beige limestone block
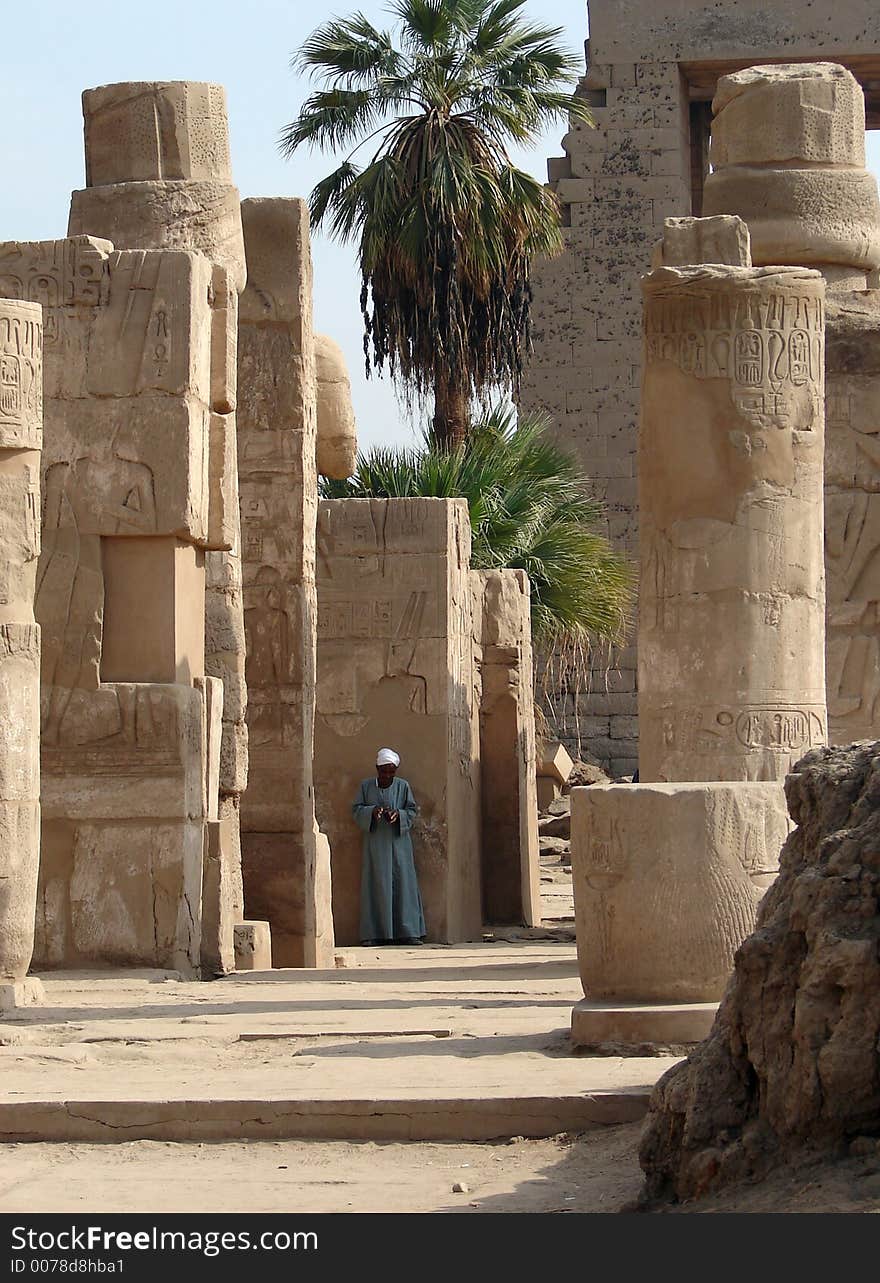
198, 215
124, 805
223, 517
731, 612
225, 659
153, 611
685, 241
789, 112
279, 264
224, 341
155, 130
219, 907
508, 792
337, 430
21, 386
253, 946
788, 156
396, 666
555, 762
667, 879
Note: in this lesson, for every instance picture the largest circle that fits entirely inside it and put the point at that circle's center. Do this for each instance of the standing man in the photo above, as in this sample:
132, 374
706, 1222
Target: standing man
391, 907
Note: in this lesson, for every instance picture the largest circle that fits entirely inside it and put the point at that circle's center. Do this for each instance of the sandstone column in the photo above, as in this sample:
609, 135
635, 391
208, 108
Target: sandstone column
21, 423
158, 176
788, 145
788, 156
396, 668
668, 873
508, 787
731, 616
286, 860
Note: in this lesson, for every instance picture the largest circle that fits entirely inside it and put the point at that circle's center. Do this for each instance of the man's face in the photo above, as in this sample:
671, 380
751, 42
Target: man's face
385, 774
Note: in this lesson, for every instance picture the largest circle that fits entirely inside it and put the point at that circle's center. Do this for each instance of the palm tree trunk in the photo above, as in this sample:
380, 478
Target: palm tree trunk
451, 412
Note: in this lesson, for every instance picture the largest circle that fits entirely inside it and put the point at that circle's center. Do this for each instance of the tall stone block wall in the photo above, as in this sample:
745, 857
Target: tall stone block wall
396, 668
21, 439
159, 176
651, 74
130, 723
286, 861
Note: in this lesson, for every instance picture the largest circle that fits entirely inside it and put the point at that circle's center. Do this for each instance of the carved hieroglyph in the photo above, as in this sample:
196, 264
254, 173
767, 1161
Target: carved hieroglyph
285, 859
159, 176
130, 724
731, 616
852, 515
667, 879
21, 420
788, 156
503, 647
396, 667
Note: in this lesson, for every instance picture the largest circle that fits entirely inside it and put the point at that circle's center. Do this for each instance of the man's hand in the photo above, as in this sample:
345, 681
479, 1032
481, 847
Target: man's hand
378, 812
392, 816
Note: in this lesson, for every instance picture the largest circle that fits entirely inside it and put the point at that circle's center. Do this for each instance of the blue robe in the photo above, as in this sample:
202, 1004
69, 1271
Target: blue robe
391, 907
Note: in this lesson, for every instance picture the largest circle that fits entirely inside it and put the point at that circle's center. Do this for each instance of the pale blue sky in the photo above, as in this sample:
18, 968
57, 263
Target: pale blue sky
57, 48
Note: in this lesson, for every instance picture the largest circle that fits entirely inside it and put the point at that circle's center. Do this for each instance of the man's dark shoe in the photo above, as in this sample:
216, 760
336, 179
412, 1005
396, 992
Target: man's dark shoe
411, 940
368, 944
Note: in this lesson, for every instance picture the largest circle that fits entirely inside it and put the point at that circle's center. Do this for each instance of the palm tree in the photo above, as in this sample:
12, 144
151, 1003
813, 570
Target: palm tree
446, 224
531, 509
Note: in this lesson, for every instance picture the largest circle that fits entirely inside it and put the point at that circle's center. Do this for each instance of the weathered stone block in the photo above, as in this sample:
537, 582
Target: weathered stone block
667, 879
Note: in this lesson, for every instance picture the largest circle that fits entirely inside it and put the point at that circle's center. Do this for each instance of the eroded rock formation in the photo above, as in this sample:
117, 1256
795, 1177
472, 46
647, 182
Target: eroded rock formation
791, 1062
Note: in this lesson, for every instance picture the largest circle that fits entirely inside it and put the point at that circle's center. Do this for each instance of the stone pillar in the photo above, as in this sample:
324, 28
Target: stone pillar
396, 668
337, 430
130, 723
286, 860
731, 615
503, 642
668, 873
158, 176
788, 156
21, 439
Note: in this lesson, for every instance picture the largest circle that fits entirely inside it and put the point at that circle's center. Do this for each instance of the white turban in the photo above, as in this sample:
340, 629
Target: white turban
387, 757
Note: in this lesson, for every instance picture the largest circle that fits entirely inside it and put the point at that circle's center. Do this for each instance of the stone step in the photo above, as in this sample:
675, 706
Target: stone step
378, 1119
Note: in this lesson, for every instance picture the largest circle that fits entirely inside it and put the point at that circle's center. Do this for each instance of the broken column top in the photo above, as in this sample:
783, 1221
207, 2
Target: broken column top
337, 429
721, 239
148, 131
802, 112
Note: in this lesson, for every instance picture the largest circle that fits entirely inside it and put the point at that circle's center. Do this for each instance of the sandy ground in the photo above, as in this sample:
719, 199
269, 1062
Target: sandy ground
595, 1171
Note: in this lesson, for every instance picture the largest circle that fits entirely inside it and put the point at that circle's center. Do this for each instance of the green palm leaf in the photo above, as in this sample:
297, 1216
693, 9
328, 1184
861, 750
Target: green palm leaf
446, 226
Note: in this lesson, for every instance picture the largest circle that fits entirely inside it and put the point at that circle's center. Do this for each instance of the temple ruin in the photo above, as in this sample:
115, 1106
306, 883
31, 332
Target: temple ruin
652, 73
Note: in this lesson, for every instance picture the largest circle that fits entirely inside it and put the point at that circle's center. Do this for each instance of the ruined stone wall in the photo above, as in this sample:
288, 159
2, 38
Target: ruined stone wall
130, 724
158, 176
652, 70
396, 669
